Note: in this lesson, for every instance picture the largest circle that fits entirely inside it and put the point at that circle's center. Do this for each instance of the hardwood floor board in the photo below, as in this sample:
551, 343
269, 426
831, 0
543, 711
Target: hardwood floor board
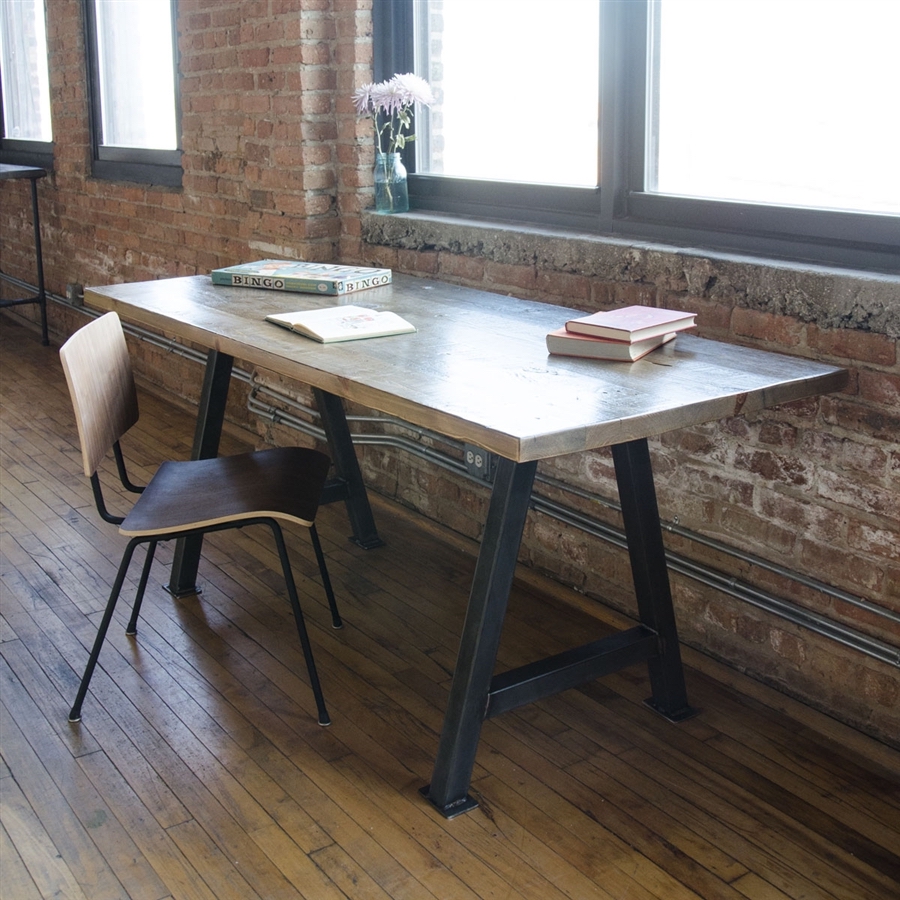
833, 874
223, 874
156, 844
61, 553
483, 863
401, 836
644, 824
33, 867
809, 827
747, 837
41, 588
354, 881
364, 823
754, 887
297, 868
363, 828
800, 751
113, 842
27, 463
825, 802
215, 731
663, 869
363, 673
71, 836
581, 843
50, 684
663, 805
190, 772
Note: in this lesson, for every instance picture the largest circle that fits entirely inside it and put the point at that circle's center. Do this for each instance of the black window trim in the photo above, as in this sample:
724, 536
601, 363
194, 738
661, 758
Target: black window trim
134, 164
26, 153
621, 208
16, 152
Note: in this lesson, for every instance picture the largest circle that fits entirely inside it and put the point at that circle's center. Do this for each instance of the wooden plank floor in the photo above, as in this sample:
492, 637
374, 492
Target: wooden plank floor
199, 772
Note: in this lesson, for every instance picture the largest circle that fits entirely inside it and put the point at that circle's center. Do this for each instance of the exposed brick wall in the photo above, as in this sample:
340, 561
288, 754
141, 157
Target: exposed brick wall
275, 163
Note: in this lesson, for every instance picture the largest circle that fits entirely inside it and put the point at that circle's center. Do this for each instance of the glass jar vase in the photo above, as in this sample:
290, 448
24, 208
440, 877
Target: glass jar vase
391, 192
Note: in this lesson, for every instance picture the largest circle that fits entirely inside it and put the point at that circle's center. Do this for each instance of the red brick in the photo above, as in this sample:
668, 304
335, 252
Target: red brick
781, 331
500, 276
861, 346
880, 388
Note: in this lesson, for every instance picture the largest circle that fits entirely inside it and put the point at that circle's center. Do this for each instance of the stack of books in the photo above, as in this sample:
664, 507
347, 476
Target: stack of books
628, 333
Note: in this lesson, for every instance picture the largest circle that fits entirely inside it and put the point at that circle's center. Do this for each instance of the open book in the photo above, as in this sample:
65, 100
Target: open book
342, 323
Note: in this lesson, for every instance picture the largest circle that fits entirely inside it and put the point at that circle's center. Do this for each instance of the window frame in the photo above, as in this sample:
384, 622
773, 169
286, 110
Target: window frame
136, 164
621, 207
15, 151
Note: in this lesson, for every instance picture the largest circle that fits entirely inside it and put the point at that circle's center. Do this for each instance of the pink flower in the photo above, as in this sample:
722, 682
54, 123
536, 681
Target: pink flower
414, 88
388, 103
362, 96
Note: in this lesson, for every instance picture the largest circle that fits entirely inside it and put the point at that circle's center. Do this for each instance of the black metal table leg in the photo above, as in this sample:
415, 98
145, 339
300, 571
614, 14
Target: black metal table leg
493, 578
40, 298
640, 513
207, 433
350, 486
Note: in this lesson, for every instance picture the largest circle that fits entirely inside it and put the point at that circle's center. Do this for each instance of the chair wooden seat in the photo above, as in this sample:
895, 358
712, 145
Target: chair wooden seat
284, 483
185, 498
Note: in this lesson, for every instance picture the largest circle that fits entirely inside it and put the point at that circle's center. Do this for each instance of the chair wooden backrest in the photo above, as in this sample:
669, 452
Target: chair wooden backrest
98, 371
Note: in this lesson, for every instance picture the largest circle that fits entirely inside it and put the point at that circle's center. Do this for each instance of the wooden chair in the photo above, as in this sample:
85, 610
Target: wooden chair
185, 498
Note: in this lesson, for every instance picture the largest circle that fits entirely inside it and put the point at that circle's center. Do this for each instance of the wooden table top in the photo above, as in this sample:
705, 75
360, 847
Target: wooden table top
477, 369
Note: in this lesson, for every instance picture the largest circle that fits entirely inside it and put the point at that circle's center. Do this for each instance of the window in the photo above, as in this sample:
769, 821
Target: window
526, 125
27, 133
768, 129
134, 90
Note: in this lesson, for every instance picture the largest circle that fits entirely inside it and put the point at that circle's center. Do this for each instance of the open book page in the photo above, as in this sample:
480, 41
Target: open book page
342, 323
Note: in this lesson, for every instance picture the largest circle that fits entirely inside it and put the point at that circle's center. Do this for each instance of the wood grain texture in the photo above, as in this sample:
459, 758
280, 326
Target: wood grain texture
98, 371
478, 369
201, 773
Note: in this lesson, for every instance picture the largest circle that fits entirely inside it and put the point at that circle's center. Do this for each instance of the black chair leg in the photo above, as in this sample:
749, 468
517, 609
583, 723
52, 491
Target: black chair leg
326, 581
324, 718
142, 586
75, 712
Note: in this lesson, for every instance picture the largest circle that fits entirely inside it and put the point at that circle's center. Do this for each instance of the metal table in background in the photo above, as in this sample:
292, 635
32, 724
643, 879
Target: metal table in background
32, 173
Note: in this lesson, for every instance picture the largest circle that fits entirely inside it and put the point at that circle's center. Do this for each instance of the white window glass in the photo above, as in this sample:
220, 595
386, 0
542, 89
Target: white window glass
136, 73
786, 102
517, 88
23, 71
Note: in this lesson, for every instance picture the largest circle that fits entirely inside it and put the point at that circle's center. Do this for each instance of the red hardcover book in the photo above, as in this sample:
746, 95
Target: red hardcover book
632, 323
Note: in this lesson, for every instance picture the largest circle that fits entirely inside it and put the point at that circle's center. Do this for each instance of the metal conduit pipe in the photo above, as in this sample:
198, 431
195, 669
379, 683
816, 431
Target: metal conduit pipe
706, 575
734, 552
727, 584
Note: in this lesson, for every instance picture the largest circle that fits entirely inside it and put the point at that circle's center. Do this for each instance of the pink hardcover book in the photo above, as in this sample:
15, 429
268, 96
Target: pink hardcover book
565, 343
632, 323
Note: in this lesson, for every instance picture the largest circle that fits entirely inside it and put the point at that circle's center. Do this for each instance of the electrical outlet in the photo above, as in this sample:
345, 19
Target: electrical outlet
75, 293
479, 462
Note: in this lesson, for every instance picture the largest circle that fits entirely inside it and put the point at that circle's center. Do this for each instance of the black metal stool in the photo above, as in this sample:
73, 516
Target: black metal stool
33, 174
